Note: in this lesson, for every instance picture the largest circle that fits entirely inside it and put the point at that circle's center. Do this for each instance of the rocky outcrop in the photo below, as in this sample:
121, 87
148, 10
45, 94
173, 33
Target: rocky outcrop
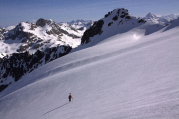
2, 87
141, 21
17, 32
116, 17
92, 31
18, 64
41, 22
2, 31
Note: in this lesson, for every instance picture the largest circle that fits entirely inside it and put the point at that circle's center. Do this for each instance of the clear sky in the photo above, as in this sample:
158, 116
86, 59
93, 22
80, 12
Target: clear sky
13, 12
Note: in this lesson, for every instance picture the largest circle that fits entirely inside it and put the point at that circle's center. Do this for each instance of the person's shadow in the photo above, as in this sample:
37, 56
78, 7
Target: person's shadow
55, 109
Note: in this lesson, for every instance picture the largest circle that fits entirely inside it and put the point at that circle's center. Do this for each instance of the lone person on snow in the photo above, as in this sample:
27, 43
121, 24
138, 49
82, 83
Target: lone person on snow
70, 97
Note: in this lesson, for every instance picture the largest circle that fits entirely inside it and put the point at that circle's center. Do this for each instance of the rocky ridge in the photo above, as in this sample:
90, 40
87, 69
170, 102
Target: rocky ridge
18, 64
104, 28
40, 36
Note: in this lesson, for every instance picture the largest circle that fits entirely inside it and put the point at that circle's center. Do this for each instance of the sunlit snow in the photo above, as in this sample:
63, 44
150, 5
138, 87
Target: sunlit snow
111, 80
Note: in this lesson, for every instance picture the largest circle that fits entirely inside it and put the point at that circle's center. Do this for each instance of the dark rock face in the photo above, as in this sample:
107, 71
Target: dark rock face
2, 87
20, 63
141, 21
107, 14
115, 18
18, 33
127, 17
2, 31
41, 22
118, 11
122, 16
92, 31
110, 23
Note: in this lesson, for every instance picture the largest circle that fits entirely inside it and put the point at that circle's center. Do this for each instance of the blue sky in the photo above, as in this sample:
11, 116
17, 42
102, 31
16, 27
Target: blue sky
13, 12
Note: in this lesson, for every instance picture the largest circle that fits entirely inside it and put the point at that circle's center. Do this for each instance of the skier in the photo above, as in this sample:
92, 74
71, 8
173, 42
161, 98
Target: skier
70, 97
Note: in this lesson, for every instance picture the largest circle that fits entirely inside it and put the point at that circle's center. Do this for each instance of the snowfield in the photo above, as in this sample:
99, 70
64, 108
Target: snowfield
126, 76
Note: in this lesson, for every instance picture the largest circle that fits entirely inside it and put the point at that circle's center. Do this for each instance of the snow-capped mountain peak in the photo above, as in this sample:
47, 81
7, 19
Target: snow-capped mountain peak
117, 21
39, 36
158, 19
151, 15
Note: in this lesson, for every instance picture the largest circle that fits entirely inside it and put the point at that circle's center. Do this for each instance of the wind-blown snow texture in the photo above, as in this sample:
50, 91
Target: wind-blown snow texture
133, 75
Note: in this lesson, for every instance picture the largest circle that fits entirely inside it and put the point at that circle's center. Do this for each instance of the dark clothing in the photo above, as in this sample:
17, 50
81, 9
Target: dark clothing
70, 97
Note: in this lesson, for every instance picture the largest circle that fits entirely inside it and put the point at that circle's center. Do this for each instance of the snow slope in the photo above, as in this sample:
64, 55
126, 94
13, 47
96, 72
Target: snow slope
137, 79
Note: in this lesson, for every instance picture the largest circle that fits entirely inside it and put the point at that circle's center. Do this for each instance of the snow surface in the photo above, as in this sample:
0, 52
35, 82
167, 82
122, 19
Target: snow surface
2, 55
10, 27
115, 79
9, 46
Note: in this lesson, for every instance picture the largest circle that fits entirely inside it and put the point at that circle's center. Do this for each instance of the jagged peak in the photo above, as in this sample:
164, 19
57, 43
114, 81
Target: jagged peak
41, 22
118, 11
111, 21
151, 15
23, 25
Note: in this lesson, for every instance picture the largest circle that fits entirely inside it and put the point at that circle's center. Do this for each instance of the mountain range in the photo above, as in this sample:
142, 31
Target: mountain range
40, 36
119, 67
151, 17
123, 67
32, 37
33, 45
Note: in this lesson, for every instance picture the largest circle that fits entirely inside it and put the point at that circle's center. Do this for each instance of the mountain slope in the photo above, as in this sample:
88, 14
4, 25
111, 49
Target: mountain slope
40, 36
115, 22
33, 45
133, 80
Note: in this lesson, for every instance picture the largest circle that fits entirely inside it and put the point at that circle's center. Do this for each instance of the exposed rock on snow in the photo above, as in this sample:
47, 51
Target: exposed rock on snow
126, 76
49, 40
19, 64
116, 21
34, 45
94, 30
39, 36
41, 22
2, 31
